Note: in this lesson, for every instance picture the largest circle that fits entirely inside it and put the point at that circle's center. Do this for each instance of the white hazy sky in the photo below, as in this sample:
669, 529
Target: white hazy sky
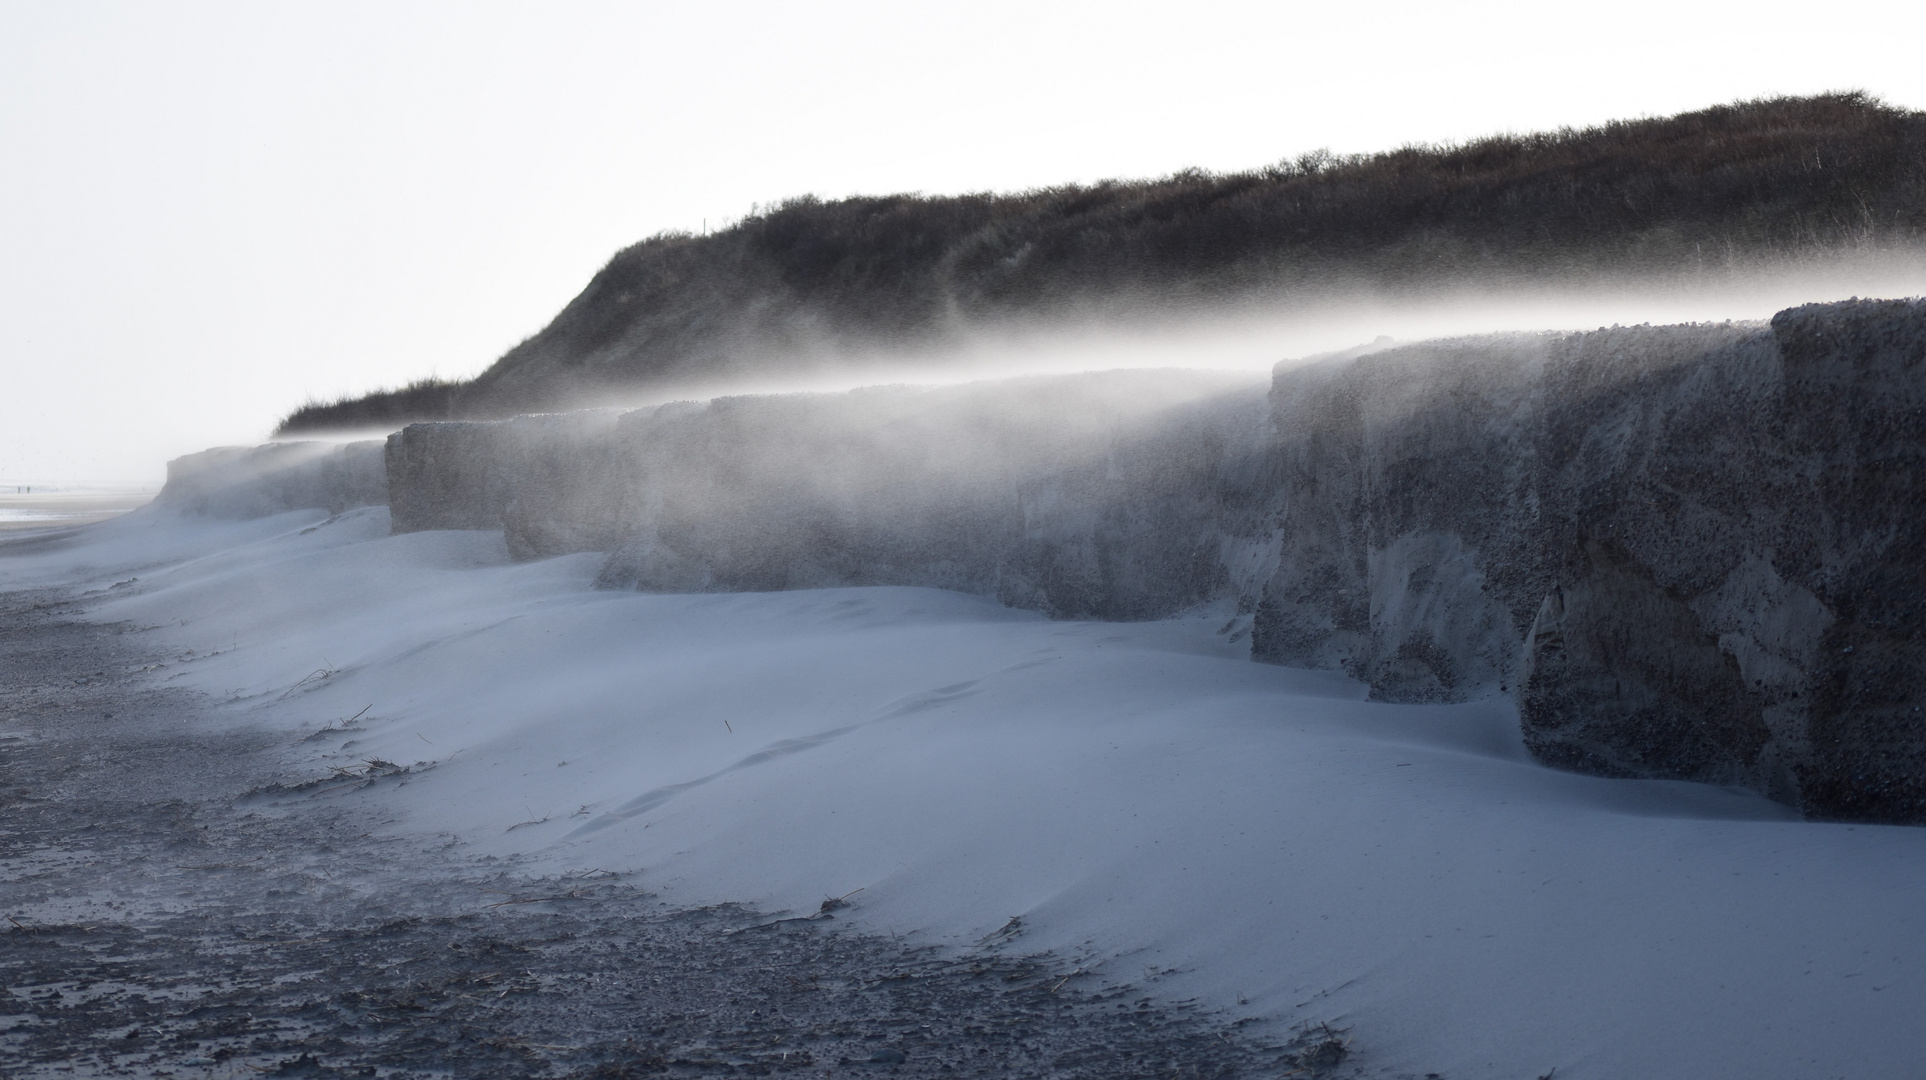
211, 211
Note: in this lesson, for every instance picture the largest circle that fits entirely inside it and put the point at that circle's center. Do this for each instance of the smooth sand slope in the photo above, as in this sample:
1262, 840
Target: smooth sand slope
1139, 797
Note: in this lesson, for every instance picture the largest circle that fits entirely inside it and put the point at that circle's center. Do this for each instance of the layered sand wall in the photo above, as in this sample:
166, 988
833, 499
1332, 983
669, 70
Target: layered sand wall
1691, 552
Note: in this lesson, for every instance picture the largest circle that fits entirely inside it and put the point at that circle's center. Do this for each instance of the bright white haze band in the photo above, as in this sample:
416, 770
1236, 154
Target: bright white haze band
213, 211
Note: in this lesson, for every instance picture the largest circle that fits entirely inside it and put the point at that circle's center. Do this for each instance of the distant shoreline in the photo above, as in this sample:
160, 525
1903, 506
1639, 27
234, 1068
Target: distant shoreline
52, 508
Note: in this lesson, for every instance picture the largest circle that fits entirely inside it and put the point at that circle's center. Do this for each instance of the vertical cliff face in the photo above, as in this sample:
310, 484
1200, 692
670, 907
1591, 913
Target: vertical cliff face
1690, 552
1855, 427
1429, 497
1393, 477
256, 481
1080, 496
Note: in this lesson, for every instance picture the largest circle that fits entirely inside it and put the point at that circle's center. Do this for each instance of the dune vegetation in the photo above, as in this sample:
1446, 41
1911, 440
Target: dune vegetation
1723, 190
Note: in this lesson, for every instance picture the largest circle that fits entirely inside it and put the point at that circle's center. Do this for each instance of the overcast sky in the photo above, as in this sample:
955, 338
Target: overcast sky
211, 211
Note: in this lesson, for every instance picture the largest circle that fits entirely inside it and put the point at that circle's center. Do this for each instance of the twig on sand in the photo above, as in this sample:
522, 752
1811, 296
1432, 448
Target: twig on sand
1006, 932
339, 726
831, 903
1319, 1046
570, 895
357, 782
532, 819
317, 673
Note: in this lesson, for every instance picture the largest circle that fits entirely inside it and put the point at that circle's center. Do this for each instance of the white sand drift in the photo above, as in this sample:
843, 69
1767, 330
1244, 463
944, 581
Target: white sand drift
1155, 807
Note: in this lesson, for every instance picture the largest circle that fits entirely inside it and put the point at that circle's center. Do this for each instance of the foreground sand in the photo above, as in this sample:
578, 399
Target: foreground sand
1137, 799
177, 905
